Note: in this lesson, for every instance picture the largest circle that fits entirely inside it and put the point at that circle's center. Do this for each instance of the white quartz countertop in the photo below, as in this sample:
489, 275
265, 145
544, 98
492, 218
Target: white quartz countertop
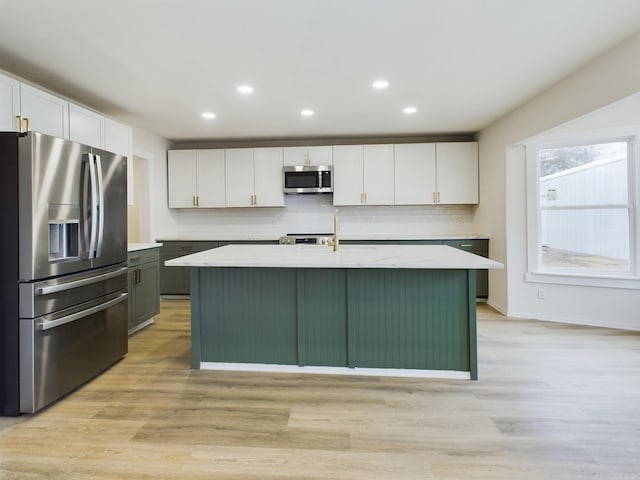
134, 247
343, 236
348, 256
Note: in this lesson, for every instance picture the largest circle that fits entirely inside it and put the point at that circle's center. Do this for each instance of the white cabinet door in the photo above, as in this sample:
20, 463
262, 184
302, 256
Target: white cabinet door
348, 168
318, 155
86, 126
46, 113
415, 173
267, 164
118, 138
321, 155
181, 178
9, 103
239, 177
210, 178
457, 172
378, 174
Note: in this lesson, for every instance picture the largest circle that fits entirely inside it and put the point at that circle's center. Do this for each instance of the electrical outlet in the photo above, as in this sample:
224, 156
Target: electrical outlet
542, 293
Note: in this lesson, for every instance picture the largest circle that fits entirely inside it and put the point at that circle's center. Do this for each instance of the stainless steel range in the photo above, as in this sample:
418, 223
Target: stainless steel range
307, 239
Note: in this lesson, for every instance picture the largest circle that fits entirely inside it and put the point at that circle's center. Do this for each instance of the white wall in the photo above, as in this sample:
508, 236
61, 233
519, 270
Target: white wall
152, 149
502, 211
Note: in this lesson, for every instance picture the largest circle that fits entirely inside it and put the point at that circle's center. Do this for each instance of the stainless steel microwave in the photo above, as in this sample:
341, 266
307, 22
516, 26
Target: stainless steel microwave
308, 179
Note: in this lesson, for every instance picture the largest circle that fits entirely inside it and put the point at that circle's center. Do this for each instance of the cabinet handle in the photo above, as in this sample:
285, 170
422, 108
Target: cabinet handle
466, 245
197, 200
255, 200
438, 196
433, 195
307, 160
365, 197
22, 121
193, 201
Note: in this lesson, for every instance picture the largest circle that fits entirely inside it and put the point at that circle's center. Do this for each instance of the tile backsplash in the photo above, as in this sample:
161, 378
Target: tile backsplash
314, 214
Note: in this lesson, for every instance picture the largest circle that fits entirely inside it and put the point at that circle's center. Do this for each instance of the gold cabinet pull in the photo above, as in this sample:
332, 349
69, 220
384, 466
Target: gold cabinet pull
19, 118
28, 128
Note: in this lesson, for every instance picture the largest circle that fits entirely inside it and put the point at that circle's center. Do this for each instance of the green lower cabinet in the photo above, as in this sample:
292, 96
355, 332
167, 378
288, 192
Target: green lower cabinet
144, 287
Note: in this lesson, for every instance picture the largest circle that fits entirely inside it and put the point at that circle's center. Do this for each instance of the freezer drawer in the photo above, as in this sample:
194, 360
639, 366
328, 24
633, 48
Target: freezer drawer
47, 296
61, 352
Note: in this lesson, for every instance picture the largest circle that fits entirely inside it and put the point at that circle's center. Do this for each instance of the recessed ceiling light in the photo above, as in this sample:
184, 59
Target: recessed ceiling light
380, 84
245, 89
410, 110
306, 112
209, 115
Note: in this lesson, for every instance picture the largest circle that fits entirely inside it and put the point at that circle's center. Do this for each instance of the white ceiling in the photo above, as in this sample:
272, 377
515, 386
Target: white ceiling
158, 64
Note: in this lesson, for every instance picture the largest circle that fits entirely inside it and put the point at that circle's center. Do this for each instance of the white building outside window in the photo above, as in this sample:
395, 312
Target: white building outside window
581, 209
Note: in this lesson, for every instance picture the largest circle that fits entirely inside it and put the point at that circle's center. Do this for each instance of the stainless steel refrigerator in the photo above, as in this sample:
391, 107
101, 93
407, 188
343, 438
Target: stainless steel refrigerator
63, 281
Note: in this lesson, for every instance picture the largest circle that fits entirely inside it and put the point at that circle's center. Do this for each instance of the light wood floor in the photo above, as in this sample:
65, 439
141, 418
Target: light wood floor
553, 402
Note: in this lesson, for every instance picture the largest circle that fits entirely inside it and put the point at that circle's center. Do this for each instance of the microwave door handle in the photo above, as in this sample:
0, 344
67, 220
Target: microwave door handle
100, 206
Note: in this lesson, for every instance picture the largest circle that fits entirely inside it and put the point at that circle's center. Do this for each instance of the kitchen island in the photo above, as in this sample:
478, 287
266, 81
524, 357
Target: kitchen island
399, 309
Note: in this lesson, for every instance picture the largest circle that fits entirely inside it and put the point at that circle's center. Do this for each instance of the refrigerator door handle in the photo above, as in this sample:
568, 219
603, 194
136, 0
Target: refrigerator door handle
61, 287
101, 206
47, 325
94, 206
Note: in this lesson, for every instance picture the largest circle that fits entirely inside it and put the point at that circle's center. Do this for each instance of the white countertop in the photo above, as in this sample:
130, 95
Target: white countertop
348, 256
343, 236
134, 247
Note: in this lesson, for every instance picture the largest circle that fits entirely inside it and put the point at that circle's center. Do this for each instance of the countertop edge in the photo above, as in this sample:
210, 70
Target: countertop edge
136, 247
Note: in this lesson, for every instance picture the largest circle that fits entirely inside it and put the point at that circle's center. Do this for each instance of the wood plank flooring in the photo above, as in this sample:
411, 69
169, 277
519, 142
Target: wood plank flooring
553, 401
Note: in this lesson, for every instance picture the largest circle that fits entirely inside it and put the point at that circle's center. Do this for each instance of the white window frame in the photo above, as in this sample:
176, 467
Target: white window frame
535, 272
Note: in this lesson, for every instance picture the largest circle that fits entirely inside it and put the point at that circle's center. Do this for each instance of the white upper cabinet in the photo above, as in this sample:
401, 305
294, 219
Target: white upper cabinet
9, 103
86, 126
268, 164
378, 175
181, 176
239, 177
318, 155
254, 177
415, 173
457, 173
348, 167
210, 178
46, 113
118, 138
196, 178
363, 175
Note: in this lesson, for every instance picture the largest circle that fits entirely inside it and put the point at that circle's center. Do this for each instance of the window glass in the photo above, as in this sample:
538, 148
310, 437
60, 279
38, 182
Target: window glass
585, 207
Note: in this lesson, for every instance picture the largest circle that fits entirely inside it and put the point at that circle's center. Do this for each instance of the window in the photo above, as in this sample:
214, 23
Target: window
585, 212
